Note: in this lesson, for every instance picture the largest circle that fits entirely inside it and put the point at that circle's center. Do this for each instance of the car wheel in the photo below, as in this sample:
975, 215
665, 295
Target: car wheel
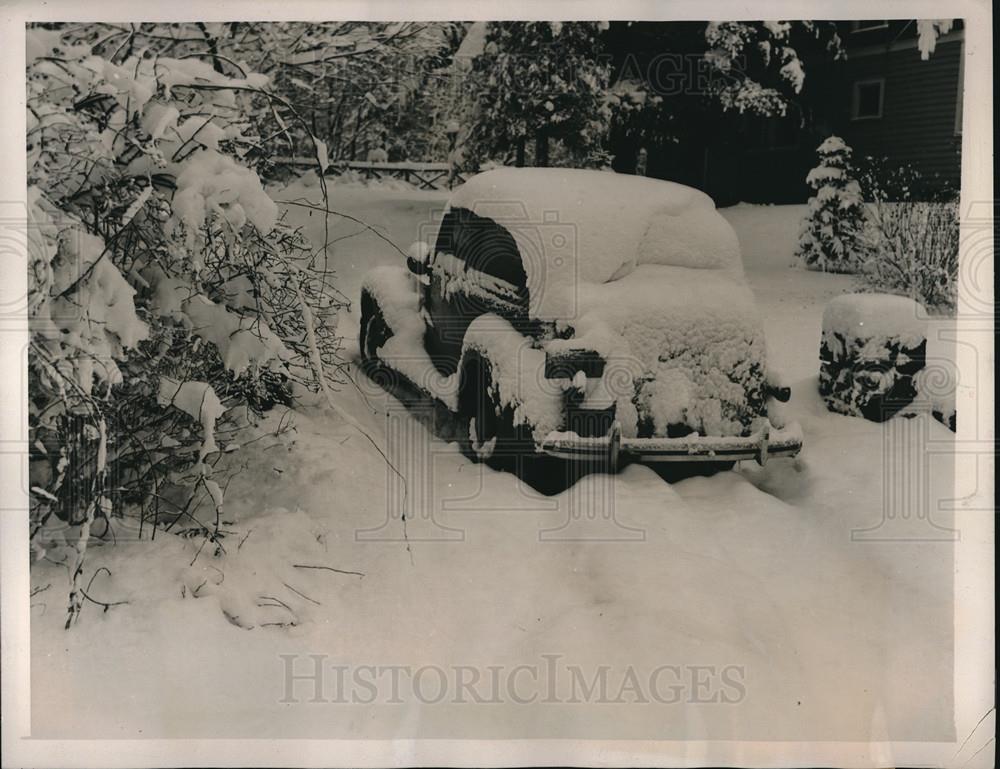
489, 434
375, 332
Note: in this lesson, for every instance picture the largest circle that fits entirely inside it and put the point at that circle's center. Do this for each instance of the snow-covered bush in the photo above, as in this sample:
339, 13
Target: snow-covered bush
872, 347
912, 249
936, 386
911, 241
831, 237
884, 181
164, 291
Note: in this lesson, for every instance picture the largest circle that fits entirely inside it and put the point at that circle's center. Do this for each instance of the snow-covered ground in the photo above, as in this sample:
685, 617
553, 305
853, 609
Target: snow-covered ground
810, 599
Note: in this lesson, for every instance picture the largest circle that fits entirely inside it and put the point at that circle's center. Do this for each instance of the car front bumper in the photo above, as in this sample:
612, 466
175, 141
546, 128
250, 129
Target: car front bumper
766, 442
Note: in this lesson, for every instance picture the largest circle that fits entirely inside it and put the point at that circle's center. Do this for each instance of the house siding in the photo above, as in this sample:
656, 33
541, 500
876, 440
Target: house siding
917, 126
920, 101
742, 157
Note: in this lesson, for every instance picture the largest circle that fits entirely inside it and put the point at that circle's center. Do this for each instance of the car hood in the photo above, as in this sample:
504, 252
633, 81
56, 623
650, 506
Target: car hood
684, 349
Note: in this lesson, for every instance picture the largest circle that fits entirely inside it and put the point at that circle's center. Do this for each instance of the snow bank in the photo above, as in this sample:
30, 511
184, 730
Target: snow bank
357, 179
756, 568
768, 235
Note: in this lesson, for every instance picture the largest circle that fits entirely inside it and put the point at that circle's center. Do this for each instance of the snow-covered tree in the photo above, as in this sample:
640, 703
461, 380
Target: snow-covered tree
166, 294
356, 86
757, 64
831, 237
369, 86
754, 68
541, 82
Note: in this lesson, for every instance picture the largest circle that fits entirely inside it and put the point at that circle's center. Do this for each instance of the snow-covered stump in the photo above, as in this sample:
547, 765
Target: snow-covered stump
872, 347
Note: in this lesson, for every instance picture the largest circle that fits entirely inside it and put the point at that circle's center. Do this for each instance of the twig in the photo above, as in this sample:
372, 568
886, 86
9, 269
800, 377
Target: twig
243, 540
277, 601
328, 568
200, 548
303, 595
326, 210
94, 600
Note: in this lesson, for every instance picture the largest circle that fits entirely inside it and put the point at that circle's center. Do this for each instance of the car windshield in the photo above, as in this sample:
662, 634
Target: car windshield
482, 245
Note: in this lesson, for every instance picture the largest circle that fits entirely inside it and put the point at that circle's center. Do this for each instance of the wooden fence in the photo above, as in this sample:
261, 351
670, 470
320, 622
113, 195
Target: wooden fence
426, 176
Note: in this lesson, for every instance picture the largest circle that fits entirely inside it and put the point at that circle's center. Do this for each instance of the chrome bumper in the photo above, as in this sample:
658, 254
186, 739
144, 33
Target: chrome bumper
766, 442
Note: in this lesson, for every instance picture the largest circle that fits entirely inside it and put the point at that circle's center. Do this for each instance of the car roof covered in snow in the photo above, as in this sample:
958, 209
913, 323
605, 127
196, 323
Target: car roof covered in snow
616, 218
574, 225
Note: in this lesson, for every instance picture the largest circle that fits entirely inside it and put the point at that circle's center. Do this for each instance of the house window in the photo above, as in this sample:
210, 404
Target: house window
867, 99
869, 24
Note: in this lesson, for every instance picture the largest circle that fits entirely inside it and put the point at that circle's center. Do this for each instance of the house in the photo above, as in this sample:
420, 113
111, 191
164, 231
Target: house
895, 103
883, 98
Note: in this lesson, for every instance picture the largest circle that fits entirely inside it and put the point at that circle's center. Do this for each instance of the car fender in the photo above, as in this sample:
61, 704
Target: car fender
518, 373
395, 292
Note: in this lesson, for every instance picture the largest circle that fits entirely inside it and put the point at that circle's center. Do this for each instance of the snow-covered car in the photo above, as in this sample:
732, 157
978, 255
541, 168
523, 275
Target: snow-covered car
583, 314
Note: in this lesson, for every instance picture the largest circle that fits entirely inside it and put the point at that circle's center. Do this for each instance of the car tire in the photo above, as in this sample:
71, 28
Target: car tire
487, 431
374, 332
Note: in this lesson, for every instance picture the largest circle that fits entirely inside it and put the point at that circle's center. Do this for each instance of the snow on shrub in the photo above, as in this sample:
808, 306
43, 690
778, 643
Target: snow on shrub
831, 237
872, 347
164, 291
912, 250
911, 242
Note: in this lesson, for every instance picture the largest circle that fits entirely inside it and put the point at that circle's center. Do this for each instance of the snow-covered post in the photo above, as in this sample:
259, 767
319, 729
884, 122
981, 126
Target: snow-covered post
831, 237
872, 347
455, 155
640, 163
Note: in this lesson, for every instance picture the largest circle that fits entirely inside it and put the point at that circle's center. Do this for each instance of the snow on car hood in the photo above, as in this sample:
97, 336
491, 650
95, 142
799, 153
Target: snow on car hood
576, 228
682, 346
